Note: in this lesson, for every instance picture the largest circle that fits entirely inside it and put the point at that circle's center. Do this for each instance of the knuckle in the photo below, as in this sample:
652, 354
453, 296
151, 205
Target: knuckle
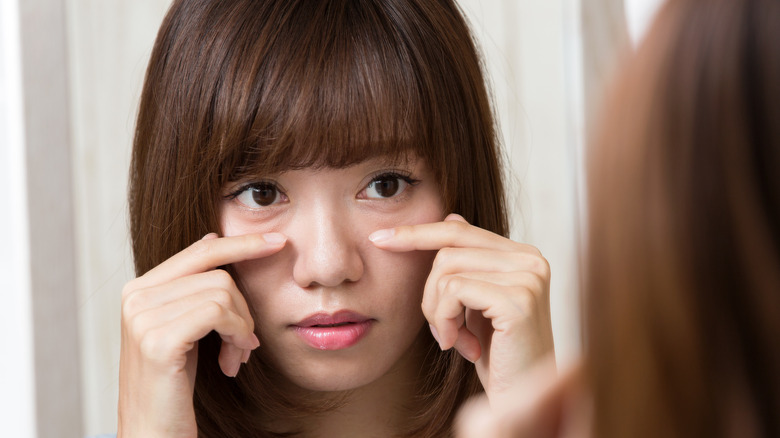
440, 318
428, 308
199, 249
130, 304
213, 309
542, 286
530, 249
535, 264
245, 326
456, 226
129, 288
444, 257
136, 328
542, 267
222, 297
525, 301
442, 283
221, 276
451, 284
152, 346
404, 231
455, 229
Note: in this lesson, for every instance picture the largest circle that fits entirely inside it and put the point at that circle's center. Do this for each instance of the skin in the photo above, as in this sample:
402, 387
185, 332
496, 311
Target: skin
164, 313
329, 245
503, 287
329, 265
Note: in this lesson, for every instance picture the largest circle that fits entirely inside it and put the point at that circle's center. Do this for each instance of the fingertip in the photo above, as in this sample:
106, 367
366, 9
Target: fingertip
230, 358
435, 334
230, 367
209, 236
448, 334
380, 236
274, 238
471, 356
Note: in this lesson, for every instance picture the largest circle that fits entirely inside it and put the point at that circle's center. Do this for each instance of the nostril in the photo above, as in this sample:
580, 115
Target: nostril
328, 269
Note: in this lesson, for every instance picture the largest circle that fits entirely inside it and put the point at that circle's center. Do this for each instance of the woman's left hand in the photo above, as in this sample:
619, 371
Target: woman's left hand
486, 296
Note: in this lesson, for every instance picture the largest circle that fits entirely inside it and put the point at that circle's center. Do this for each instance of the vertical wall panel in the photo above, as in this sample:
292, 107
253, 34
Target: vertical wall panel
49, 203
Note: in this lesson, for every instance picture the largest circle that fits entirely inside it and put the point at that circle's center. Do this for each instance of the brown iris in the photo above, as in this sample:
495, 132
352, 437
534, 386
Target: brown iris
386, 187
264, 194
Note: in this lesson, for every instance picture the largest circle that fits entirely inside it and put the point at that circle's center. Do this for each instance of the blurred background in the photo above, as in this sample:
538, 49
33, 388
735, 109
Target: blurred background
70, 75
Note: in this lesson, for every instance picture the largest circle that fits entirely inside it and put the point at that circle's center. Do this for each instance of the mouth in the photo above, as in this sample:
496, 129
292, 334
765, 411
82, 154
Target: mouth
333, 325
335, 331
337, 319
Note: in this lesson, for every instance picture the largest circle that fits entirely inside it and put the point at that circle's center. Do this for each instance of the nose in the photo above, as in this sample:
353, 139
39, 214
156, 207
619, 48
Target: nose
328, 249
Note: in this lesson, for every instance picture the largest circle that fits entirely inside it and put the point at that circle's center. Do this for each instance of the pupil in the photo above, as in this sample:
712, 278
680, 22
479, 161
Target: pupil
387, 187
264, 195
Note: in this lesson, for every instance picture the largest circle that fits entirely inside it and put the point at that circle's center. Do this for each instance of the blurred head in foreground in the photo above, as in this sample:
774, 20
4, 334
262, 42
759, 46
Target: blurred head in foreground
682, 284
683, 277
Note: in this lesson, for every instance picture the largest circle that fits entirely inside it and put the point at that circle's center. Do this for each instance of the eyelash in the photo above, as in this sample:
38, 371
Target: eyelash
404, 176
378, 176
253, 185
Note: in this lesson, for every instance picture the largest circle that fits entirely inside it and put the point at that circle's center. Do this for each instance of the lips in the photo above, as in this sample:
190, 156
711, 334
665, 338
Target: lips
335, 331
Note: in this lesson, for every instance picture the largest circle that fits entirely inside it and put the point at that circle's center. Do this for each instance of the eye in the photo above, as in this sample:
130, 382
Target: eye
259, 195
388, 185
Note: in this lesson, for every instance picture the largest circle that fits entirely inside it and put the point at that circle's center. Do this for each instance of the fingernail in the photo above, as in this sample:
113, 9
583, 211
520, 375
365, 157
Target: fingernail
209, 236
435, 334
245, 357
381, 235
234, 370
257, 341
274, 238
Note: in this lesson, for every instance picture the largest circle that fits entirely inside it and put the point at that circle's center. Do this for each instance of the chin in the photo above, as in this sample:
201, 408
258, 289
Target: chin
334, 374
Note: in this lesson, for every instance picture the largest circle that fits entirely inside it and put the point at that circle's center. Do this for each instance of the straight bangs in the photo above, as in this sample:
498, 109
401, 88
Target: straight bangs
321, 84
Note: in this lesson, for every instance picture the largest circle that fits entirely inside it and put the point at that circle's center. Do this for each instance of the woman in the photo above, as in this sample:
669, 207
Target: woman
683, 278
306, 176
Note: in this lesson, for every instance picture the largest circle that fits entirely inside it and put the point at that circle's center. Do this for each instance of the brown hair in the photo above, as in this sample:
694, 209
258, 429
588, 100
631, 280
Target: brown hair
683, 279
245, 87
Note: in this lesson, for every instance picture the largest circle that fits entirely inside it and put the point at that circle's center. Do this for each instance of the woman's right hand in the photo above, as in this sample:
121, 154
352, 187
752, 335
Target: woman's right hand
164, 314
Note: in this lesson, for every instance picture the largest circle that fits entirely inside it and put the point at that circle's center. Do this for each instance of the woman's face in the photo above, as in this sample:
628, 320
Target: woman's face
334, 312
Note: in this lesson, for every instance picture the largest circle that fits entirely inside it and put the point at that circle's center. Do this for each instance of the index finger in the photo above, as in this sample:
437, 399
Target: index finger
438, 235
207, 254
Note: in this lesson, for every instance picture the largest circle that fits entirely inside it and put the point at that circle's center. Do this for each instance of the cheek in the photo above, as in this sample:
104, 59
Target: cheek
251, 273
392, 279
232, 223
403, 285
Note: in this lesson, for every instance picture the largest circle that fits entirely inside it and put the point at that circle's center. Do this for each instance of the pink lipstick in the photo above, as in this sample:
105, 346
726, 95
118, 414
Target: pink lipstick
336, 331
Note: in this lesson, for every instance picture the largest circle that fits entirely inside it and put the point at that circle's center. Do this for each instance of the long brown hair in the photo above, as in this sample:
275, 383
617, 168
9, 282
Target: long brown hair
245, 87
683, 284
